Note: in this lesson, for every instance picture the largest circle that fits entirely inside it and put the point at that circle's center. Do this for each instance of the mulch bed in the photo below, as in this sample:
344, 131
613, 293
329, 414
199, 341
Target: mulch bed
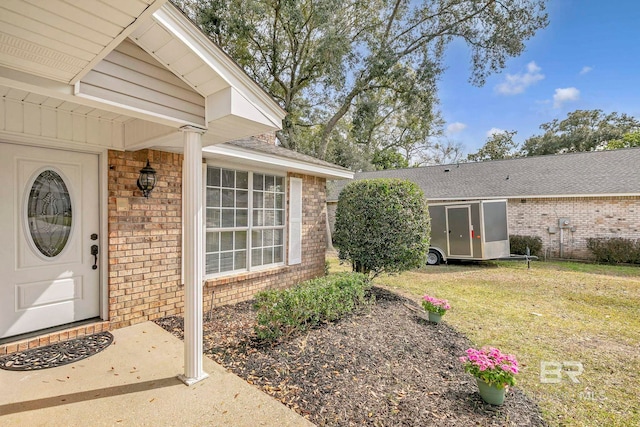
387, 366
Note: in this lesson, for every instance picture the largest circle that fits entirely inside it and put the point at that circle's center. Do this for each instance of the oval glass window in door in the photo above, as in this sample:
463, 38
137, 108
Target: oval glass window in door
49, 213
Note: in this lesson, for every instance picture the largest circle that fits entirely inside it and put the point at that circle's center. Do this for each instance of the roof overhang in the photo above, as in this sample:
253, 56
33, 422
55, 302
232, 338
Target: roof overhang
235, 155
48, 48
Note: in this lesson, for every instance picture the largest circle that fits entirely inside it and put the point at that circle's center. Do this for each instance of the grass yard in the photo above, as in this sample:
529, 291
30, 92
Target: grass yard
578, 315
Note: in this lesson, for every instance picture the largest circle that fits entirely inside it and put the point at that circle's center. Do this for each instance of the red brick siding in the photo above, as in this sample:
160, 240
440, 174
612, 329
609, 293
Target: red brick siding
145, 238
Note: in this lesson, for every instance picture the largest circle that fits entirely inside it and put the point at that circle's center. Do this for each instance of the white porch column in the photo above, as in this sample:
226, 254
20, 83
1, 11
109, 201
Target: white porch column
193, 254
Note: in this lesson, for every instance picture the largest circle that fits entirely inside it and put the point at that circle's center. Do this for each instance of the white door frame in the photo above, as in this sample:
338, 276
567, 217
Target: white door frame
103, 197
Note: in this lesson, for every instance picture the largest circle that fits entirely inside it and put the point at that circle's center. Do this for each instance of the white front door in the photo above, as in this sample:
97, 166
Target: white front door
49, 221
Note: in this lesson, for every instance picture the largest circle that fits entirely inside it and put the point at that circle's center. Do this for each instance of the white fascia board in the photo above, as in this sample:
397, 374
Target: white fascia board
272, 161
572, 196
543, 196
184, 30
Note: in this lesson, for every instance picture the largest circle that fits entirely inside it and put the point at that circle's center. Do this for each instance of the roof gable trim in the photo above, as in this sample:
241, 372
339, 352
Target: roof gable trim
273, 160
180, 27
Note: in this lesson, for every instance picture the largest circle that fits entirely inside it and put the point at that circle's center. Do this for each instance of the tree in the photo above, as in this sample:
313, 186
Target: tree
582, 130
628, 140
324, 59
499, 145
441, 152
382, 225
398, 122
389, 159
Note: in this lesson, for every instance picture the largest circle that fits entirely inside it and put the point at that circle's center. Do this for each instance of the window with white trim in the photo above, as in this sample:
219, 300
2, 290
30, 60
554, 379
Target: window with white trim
244, 220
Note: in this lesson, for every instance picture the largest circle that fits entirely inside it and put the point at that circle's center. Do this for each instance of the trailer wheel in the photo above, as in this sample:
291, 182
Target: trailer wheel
433, 257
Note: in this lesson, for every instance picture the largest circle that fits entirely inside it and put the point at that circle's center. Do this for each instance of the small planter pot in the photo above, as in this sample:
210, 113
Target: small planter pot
490, 393
434, 317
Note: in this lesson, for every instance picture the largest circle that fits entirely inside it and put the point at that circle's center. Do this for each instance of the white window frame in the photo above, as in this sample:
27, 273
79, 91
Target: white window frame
250, 227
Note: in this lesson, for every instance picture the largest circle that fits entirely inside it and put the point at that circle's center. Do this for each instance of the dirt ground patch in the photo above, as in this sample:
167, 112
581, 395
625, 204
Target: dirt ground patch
384, 367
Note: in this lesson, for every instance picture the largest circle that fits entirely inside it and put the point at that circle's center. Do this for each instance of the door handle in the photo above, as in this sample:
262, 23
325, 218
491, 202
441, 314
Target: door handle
94, 252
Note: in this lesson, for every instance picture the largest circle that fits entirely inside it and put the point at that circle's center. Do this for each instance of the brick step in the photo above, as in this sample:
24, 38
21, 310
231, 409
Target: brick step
53, 337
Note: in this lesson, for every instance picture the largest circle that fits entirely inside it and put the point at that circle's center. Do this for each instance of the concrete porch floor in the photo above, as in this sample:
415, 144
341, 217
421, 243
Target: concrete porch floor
133, 383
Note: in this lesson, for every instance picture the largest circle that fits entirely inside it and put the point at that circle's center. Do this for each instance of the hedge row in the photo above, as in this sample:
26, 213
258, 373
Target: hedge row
615, 250
281, 313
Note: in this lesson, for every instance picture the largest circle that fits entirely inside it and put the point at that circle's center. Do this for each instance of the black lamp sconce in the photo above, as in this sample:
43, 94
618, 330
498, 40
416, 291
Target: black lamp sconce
147, 180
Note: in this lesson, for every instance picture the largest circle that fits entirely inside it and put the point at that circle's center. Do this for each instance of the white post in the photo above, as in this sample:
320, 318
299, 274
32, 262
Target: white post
193, 254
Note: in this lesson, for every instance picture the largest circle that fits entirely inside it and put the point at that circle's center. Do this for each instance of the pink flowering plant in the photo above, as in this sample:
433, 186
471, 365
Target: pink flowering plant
435, 305
491, 366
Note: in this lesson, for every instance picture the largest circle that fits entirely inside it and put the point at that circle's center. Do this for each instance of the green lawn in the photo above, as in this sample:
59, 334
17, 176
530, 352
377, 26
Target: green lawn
566, 313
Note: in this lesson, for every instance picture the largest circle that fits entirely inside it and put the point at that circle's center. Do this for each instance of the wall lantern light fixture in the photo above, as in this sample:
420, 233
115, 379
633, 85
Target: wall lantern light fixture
147, 179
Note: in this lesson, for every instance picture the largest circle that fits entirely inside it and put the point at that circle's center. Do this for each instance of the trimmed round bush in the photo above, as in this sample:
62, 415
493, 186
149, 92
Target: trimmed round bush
382, 225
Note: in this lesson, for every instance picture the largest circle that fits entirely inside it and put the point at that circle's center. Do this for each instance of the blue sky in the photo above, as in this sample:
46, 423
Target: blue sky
588, 57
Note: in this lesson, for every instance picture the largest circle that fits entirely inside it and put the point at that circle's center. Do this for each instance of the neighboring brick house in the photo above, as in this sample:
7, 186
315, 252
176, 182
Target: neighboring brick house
93, 90
597, 192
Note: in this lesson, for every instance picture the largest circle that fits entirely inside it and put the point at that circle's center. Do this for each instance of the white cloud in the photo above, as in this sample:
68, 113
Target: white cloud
517, 83
455, 127
494, 131
585, 69
563, 95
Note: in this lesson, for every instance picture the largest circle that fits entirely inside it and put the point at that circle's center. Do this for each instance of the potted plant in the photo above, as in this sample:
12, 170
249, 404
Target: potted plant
494, 371
435, 307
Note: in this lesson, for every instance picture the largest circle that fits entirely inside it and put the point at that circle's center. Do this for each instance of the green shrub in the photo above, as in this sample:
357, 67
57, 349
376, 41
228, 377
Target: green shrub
615, 250
281, 313
519, 245
382, 225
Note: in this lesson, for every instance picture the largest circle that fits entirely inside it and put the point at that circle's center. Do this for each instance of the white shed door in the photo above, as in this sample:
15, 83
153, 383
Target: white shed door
48, 214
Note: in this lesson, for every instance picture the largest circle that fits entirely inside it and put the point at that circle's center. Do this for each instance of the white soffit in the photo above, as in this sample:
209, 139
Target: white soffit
59, 104
63, 40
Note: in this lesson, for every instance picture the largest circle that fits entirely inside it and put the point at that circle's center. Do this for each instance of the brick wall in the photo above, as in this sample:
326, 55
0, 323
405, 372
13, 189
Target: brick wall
145, 244
145, 238
592, 217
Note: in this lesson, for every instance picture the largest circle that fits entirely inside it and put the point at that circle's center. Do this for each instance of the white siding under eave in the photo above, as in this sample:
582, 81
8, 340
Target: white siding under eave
131, 77
19, 117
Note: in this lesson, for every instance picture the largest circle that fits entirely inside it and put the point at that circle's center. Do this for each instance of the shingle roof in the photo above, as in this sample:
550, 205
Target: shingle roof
253, 144
614, 172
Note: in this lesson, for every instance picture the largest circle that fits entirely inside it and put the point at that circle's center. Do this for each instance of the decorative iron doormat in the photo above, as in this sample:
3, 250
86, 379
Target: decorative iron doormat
57, 354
